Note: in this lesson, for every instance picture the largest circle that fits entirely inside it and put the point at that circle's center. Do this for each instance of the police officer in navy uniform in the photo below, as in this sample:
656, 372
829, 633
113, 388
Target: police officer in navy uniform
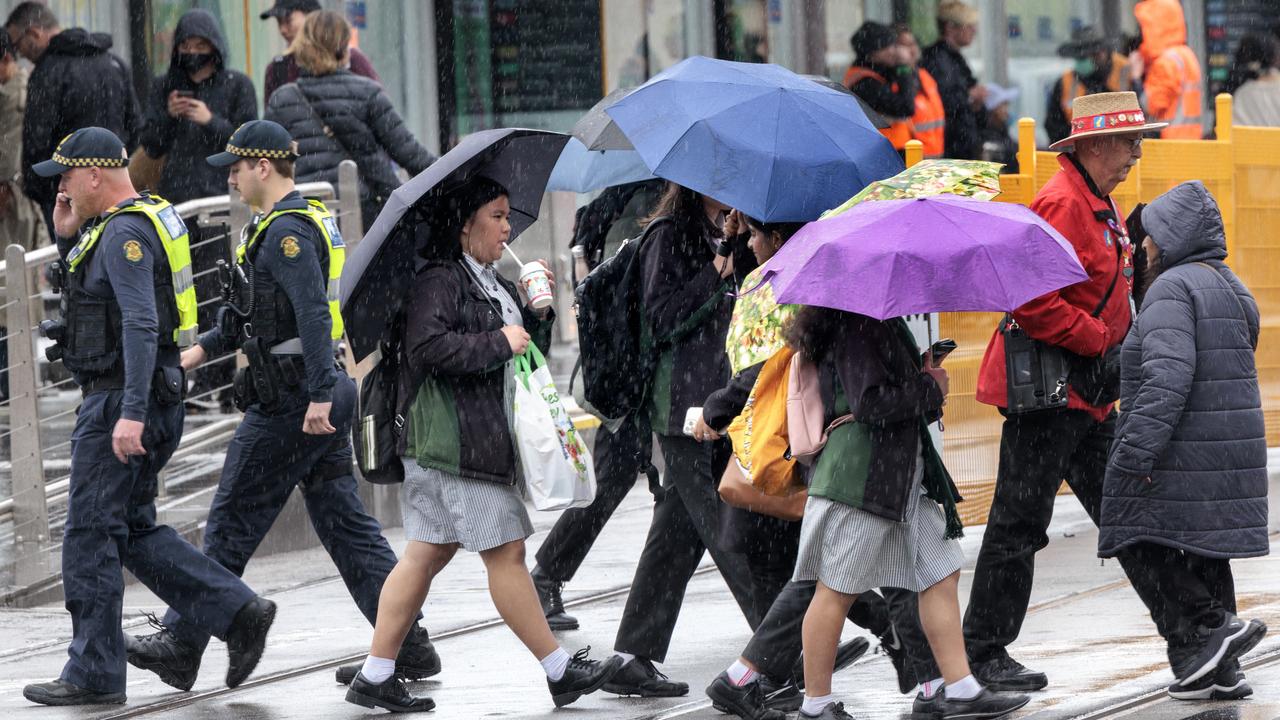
299, 405
128, 306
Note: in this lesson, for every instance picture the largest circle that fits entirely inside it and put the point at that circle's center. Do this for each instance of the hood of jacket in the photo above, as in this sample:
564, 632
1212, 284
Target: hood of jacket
1163, 26
78, 41
1186, 225
199, 23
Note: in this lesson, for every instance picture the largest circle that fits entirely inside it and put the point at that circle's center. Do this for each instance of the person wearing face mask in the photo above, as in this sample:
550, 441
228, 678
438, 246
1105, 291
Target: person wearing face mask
1096, 68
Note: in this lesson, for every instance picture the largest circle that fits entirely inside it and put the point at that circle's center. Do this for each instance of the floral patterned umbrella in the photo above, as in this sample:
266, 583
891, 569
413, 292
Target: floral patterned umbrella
755, 333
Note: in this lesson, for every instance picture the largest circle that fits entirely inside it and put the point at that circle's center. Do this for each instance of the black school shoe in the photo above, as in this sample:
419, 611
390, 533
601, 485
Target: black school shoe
582, 677
784, 696
247, 638
175, 661
929, 708
391, 694
61, 692
834, 711
1003, 673
641, 679
745, 701
986, 704
1227, 684
1221, 646
417, 659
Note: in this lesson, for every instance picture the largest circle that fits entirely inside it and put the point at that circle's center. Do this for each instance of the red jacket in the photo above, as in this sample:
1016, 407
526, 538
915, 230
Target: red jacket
1064, 317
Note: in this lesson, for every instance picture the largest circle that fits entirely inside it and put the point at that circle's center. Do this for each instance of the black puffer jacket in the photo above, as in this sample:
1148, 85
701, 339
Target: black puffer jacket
1189, 465
76, 83
230, 97
365, 127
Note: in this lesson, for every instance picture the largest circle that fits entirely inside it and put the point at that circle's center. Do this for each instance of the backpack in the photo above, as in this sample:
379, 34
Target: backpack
617, 359
759, 433
806, 431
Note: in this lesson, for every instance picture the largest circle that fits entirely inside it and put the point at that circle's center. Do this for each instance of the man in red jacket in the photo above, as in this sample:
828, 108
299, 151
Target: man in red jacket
1038, 450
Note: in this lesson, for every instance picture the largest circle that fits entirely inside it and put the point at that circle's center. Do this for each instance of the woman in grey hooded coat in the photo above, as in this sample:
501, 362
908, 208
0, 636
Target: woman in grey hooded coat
1186, 485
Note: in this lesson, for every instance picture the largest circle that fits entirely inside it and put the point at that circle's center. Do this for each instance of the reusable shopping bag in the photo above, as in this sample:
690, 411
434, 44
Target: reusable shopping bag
557, 466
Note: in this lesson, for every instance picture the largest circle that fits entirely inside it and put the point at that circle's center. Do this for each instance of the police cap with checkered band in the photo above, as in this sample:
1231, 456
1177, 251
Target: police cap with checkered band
256, 139
86, 147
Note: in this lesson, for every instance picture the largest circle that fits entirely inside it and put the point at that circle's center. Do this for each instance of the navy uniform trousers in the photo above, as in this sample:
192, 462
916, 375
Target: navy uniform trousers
269, 456
111, 522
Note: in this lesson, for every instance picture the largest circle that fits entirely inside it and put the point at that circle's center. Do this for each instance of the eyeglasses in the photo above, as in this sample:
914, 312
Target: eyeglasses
1133, 144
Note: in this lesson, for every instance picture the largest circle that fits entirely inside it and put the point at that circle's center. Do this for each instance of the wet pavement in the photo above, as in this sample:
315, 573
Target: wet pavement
1086, 629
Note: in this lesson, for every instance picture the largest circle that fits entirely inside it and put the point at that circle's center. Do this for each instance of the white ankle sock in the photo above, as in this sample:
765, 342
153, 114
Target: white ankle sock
931, 687
555, 664
626, 657
740, 674
376, 670
813, 706
966, 689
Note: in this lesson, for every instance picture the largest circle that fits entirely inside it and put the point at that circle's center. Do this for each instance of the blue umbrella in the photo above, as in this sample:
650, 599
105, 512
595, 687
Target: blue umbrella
757, 137
581, 170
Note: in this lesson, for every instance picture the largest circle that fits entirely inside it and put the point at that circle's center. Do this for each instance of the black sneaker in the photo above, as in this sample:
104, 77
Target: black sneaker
582, 677
552, 603
891, 645
1227, 684
986, 704
175, 661
640, 678
928, 708
1222, 645
61, 692
784, 696
847, 653
248, 638
745, 701
834, 711
391, 694
417, 659
1003, 673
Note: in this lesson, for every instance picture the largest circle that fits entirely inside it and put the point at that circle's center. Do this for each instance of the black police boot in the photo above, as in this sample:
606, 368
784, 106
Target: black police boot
745, 701
391, 694
582, 677
552, 603
641, 679
247, 638
417, 659
846, 654
61, 692
175, 661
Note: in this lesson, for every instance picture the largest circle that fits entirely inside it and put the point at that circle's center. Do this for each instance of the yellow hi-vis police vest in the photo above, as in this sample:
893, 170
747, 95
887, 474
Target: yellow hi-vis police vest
320, 216
175, 239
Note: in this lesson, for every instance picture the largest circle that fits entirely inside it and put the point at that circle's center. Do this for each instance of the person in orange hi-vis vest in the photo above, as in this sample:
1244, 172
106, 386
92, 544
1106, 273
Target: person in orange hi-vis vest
1172, 78
884, 78
929, 122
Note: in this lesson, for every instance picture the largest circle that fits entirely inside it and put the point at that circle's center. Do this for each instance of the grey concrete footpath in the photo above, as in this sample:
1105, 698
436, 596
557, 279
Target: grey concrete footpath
1086, 629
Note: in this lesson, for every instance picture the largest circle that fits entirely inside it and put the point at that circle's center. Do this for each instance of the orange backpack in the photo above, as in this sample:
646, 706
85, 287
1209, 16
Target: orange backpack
759, 433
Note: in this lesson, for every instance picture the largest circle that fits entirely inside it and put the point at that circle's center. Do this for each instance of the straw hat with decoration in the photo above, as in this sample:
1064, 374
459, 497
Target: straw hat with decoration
1109, 113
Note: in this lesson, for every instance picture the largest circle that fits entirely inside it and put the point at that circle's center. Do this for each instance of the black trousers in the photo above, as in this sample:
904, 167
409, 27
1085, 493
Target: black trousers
619, 457
1037, 452
686, 520
1191, 590
775, 647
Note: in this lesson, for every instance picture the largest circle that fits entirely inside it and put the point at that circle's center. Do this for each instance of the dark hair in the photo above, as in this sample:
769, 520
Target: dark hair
784, 229
31, 14
6, 46
1256, 53
813, 330
283, 166
447, 212
681, 204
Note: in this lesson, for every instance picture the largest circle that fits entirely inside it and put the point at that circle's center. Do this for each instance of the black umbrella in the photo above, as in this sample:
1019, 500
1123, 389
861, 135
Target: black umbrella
597, 130
377, 273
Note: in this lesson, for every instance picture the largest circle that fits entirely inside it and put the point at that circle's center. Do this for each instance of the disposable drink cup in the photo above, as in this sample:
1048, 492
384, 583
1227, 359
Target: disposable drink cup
533, 277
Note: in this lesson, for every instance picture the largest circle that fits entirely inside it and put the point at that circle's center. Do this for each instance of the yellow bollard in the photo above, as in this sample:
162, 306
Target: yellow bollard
1222, 124
914, 152
1027, 148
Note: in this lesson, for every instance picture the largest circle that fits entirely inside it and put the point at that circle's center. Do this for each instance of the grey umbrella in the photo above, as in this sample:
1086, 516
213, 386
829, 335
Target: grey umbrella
597, 130
377, 273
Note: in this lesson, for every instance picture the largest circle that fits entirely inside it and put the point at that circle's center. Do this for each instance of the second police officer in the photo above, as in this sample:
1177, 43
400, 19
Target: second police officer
128, 306
298, 404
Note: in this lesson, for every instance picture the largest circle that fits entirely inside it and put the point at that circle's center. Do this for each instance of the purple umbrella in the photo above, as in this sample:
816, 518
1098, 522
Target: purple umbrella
937, 254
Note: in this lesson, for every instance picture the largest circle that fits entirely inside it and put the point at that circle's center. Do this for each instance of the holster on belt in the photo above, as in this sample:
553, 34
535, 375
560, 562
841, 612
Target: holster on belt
260, 382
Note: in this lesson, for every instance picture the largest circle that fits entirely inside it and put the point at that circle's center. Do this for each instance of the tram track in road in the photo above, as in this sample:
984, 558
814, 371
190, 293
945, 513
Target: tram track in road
193, 698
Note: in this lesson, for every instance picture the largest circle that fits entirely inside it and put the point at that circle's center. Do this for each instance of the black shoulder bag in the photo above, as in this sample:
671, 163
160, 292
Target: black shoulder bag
381, 414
